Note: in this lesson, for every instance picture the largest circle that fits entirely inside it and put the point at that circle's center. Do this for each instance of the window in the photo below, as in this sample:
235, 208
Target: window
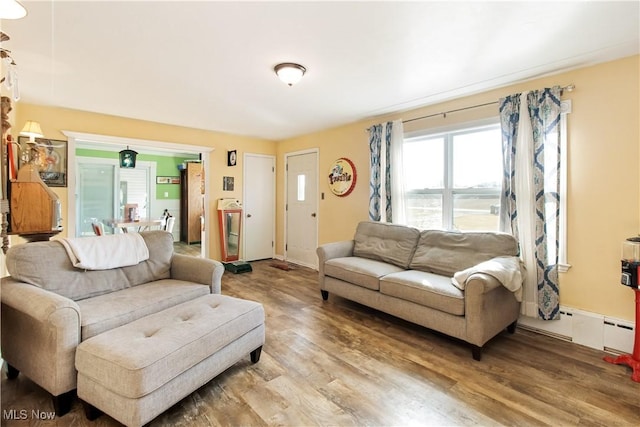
452, 180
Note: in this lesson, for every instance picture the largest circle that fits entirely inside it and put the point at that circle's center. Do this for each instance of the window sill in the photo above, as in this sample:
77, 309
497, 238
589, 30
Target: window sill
563, 268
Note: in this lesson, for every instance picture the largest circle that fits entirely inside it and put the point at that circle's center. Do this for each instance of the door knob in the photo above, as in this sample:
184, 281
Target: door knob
313, 215
248, 215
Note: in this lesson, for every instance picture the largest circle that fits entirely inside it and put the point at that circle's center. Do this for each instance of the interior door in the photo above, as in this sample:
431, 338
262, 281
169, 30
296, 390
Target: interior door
302, 209
259, 203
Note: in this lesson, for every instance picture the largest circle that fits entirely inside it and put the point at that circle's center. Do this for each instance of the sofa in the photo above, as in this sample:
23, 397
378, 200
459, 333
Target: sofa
464, 284
51, 302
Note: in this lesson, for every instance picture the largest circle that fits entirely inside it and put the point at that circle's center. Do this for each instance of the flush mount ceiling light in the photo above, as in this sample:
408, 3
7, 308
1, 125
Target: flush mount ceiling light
289, 72
11, 9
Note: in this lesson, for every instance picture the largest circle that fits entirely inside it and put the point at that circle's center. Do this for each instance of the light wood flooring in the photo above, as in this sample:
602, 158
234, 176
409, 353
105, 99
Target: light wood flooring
340, 363
185, 249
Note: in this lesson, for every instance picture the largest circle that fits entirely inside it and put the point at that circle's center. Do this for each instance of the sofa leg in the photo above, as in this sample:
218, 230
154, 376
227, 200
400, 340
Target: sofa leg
325, 295
12, 373
62, 402
255, 354
90, 411
476, 352
512, 327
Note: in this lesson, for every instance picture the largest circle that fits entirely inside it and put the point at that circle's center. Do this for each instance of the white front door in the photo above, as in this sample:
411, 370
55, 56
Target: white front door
259, 210
302, 209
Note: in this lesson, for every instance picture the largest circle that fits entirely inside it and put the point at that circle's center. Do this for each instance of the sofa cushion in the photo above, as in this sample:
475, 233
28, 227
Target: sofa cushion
428, 289
446, 252
385, 242
47, 265
109, 311
359, 271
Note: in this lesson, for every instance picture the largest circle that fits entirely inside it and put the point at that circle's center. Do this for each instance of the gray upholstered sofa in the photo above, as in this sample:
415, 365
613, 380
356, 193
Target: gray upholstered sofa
49, 306
408, 273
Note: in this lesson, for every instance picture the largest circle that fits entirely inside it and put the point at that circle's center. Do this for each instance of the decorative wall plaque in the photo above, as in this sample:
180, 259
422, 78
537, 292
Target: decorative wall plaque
342, 177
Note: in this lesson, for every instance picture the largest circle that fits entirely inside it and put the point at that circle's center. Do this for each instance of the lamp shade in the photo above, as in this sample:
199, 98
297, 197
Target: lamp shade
289, 72
32, 130
128, 158
11, 9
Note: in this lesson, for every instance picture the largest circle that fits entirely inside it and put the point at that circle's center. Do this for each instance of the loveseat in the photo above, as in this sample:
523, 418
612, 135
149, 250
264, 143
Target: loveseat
464, 284
50, 306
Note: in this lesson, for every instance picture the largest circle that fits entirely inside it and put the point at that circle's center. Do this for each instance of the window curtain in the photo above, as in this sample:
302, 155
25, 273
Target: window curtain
530, 201
386, 192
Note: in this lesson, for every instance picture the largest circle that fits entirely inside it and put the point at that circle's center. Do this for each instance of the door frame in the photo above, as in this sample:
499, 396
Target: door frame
116, 143
244, 192
286, 192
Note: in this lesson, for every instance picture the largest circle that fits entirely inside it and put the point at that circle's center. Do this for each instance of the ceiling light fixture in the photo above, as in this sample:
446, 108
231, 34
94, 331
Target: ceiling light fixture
11, 9
128, 158
289, 72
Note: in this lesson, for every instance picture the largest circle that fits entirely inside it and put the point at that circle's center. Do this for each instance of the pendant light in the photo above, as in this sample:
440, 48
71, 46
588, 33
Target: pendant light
128, 158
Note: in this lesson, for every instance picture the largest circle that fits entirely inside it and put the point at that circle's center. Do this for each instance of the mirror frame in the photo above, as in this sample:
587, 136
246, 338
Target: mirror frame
224, 255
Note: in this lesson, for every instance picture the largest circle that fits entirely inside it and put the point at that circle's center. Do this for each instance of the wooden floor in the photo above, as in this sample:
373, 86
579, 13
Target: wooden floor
340, 363
185, 249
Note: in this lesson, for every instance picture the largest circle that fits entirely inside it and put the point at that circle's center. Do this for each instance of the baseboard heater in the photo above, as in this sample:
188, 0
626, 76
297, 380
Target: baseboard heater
585, 328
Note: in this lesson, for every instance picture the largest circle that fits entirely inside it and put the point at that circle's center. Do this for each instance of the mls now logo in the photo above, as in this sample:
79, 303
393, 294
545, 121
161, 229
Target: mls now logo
23, 414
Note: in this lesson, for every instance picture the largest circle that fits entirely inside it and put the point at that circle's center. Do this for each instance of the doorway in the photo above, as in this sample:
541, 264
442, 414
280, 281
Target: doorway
112, 143
301, 213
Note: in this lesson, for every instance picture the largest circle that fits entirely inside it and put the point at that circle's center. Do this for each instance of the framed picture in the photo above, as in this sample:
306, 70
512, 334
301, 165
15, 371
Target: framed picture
167, 180
232, 158
227, 183
50, 157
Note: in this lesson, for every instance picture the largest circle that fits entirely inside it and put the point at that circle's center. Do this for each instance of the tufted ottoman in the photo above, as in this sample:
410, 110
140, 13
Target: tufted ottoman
137, 371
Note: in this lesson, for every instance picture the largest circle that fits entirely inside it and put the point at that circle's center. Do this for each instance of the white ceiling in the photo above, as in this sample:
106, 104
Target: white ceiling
209, 65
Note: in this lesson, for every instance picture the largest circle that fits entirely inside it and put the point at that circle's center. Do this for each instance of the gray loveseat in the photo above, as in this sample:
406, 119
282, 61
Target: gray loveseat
49, 306
408, 273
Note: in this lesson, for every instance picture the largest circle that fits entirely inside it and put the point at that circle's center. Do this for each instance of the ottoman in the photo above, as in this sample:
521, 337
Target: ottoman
137, 371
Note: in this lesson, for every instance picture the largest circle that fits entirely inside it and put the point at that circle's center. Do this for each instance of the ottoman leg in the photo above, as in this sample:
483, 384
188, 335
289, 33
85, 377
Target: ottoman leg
255, 354
90, 411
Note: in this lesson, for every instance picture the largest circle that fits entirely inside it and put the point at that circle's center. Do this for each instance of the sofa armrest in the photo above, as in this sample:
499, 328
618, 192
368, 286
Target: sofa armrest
333, 250
489, 308
40, 333
198, 270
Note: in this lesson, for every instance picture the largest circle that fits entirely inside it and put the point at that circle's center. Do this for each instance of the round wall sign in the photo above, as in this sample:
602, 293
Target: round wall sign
342, 177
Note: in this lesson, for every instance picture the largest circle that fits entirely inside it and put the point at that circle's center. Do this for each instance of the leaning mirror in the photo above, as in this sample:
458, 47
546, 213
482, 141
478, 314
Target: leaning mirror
230, 234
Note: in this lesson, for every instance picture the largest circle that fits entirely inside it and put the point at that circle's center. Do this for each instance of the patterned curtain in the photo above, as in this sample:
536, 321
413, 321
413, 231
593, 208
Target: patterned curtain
385, 182
375, 146
530, 200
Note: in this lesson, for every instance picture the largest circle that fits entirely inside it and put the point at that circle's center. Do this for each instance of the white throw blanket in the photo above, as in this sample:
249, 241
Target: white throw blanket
505, 269
106, 252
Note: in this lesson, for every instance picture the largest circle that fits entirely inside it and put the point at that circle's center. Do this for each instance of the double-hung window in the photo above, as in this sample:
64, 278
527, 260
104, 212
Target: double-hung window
452, 180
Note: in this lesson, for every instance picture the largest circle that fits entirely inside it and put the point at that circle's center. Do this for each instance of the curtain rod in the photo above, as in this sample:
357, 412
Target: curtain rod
568, 88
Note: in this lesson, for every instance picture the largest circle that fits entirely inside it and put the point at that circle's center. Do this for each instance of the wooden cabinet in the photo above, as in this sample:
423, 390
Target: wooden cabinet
191, 203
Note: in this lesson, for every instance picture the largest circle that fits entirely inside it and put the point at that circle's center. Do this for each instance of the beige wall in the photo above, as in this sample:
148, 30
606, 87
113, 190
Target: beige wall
603, 200
54, 120
603, 179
